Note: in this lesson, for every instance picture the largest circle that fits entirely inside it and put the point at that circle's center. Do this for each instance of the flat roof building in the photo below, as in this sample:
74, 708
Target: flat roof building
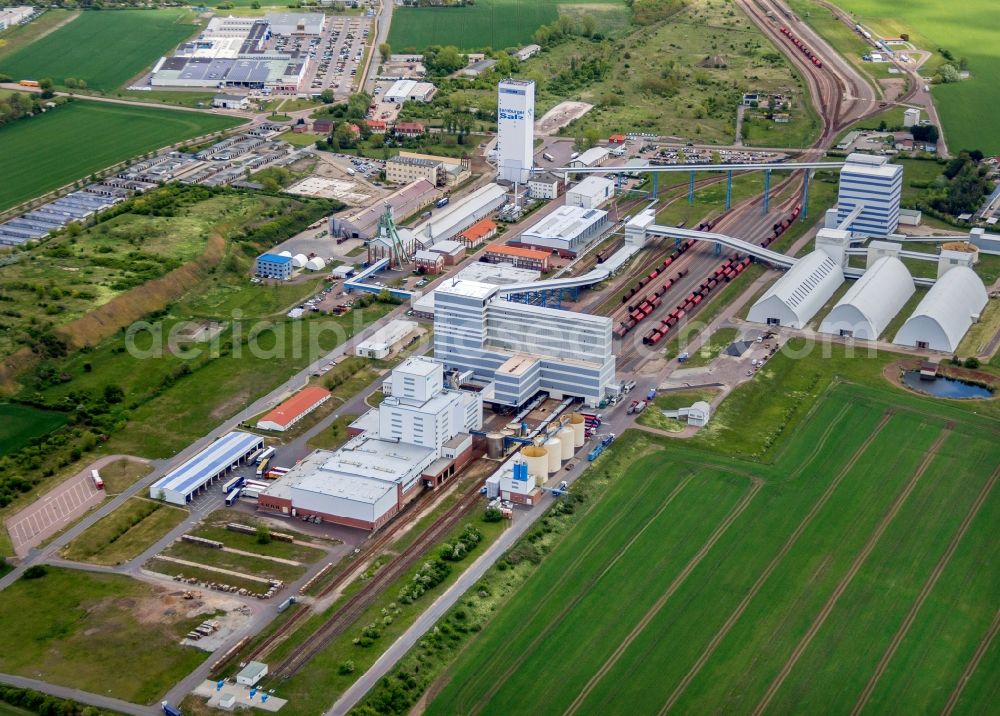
591, 192
179, 486
460, 214
363, 223
294, 409
568, 230
544, 186
296, 23
876, 185
381, 343
274, 266
410, 91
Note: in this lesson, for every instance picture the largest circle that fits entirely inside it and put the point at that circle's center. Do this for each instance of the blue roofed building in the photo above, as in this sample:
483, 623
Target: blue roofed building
274, 266
180, 485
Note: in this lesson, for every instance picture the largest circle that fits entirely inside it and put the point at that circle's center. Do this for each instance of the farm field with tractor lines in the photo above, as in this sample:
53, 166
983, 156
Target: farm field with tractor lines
707, 583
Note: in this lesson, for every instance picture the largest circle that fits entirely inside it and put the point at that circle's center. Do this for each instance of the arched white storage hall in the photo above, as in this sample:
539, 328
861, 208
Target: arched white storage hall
870, 304
944, 315
796, 297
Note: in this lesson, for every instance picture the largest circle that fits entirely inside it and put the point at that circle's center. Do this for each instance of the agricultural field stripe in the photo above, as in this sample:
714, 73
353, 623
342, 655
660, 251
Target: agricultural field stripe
778, 558
855, 567
557, 619
659, 604
821, 443
925, 592
970, 668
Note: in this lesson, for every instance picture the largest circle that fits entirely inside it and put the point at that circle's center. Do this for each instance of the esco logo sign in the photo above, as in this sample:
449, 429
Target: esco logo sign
511, 114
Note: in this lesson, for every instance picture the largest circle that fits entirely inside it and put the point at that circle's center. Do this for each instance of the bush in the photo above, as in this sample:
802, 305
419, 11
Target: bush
492, 514
972, 362
263, 534
346, 667
35, 571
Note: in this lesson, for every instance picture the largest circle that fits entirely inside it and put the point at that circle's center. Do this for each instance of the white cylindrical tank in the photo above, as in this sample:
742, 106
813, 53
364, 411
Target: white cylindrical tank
554, 448
538, 461
579, 426
565, 436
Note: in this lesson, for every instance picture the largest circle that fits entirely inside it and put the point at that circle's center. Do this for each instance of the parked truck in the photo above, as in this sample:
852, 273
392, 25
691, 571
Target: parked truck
651, 394
169, 710
548, 157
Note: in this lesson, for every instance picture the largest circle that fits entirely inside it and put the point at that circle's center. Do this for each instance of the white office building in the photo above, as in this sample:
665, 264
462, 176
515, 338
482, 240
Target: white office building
591, 192
874, 184
515, 129
521, 349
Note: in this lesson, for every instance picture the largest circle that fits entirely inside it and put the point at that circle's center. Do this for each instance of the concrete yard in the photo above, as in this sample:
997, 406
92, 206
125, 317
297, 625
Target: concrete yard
210, 690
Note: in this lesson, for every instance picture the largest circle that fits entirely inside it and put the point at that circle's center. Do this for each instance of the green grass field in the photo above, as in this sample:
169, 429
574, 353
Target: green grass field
19, 36
106, 49
961, 28
101, 633
125, 533
79, 138
856, 563
20, 423
487, 23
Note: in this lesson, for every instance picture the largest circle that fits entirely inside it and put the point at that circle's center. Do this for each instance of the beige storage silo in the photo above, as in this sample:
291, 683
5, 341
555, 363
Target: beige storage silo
566, 437
538, 462
494, 445
579, 426
554, 448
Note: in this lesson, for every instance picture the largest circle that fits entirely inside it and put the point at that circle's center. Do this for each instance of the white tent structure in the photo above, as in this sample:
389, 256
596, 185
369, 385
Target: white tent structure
287, 254
299, 260
796, 297
945, 314
870, 304
315, 264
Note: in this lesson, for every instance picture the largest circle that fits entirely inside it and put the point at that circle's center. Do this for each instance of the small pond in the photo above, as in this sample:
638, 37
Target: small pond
943, 387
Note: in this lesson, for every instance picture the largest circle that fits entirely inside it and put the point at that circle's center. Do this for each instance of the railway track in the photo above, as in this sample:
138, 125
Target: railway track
354, 607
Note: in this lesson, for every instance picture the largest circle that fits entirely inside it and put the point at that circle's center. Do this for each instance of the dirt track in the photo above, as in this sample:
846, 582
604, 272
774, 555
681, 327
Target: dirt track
973, 663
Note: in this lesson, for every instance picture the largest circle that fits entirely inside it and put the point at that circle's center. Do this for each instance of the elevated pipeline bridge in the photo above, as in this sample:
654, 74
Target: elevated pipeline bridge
692, 169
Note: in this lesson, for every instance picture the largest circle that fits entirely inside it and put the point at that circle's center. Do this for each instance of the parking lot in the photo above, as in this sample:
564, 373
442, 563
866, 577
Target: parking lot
52, 512
334, 57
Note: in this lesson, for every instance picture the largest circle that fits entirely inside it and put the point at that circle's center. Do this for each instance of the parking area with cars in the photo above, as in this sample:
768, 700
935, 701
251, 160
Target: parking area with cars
335, 56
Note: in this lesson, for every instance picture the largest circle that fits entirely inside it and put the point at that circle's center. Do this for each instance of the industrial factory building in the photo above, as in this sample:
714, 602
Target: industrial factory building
496, 274
591, 192
946, 313
381, 344
874, 184
363, 223
458, 216
795, 298
274, 266
180, 485
520, 349
870, 304
568, 230
419, 435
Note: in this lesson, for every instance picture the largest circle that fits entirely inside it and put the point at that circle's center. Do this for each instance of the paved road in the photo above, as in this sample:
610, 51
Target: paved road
383, 20
84, 697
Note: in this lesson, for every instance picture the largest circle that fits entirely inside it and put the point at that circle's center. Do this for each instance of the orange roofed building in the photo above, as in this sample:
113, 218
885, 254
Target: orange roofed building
483, 230
294, 409
519, 256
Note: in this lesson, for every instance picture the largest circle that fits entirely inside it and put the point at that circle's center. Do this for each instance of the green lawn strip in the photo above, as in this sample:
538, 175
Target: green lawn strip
867, 616
20, 423
125, 533
104, 49
243, 564
392, 617
44, 153
653, 416
711, 348
474, 26
121, 474
79, 629
904, 313
927, 668
249, 543
333, 436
